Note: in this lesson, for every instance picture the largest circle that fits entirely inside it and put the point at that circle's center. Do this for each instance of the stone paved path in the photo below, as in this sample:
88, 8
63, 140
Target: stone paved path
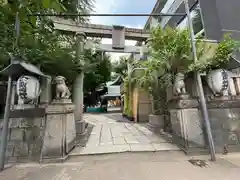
126, 166
111, 133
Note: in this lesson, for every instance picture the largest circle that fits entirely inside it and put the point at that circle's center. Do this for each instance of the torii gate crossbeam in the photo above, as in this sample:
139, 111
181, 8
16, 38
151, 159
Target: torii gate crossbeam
102, 31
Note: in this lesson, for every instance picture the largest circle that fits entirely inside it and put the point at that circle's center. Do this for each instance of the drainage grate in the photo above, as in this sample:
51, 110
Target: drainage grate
198, 162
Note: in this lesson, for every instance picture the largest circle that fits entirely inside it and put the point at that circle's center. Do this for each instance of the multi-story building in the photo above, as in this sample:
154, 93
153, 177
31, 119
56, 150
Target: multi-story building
211, 18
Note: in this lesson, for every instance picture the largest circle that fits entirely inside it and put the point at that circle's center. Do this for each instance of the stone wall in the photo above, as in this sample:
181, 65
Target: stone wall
50, 136
225, 124
25, 138
188, 125
224, 115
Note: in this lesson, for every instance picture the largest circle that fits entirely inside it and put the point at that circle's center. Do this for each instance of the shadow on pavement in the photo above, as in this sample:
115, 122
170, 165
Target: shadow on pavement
117, 117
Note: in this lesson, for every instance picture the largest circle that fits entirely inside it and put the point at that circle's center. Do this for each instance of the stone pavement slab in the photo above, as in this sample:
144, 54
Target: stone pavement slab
119, 140
103, 149
141, 147
110, 133
164, 147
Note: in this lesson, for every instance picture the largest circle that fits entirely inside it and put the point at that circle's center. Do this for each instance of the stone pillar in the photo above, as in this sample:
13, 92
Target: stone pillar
13, 93
237, 85
232, 89
78, 101
78, 88
46, 94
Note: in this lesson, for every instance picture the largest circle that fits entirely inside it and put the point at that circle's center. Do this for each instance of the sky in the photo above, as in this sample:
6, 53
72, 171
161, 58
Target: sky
122, 6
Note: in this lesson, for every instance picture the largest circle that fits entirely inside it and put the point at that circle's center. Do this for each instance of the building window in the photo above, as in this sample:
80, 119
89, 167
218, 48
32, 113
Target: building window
196, 19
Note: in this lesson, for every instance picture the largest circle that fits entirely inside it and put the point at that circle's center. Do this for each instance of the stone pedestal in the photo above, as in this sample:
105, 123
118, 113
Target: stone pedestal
156, 122
26, 133
60, 132
43, 132
186, 124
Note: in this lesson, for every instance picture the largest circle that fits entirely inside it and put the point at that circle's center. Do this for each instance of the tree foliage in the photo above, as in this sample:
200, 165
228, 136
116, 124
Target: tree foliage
171, 53
40, 44
85, 6
120, 67
213, 56
100, 71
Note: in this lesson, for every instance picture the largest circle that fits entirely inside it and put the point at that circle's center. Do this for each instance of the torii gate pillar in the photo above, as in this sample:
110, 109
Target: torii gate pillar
78, 87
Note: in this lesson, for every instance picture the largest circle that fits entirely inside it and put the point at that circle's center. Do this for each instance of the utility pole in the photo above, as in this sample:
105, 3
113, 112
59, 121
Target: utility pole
200, 87
4, 134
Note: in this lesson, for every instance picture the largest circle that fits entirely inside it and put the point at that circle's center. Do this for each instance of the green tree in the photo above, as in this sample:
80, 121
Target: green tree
53, 50
34, 31
100, 71
171, 53
86, 6
120, 66
39, 43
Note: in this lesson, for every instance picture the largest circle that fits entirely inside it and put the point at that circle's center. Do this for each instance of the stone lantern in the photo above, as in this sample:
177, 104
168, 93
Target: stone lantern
28, 79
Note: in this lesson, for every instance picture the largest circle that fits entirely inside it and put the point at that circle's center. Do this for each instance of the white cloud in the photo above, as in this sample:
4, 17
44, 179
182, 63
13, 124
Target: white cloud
104, 7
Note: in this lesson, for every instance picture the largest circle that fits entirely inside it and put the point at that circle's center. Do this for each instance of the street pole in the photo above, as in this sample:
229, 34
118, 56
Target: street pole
4, 134
200, 87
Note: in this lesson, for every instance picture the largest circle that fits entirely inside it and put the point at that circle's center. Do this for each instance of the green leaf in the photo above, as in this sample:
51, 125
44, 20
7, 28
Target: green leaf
46, 3
3, 2
57, 6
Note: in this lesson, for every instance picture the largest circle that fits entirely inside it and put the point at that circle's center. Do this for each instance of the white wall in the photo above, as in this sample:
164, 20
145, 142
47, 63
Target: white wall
114, 90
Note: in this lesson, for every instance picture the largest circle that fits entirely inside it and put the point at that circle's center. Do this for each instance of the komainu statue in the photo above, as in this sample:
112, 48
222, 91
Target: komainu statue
28, 90
62, 91
179, 85
218, 82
